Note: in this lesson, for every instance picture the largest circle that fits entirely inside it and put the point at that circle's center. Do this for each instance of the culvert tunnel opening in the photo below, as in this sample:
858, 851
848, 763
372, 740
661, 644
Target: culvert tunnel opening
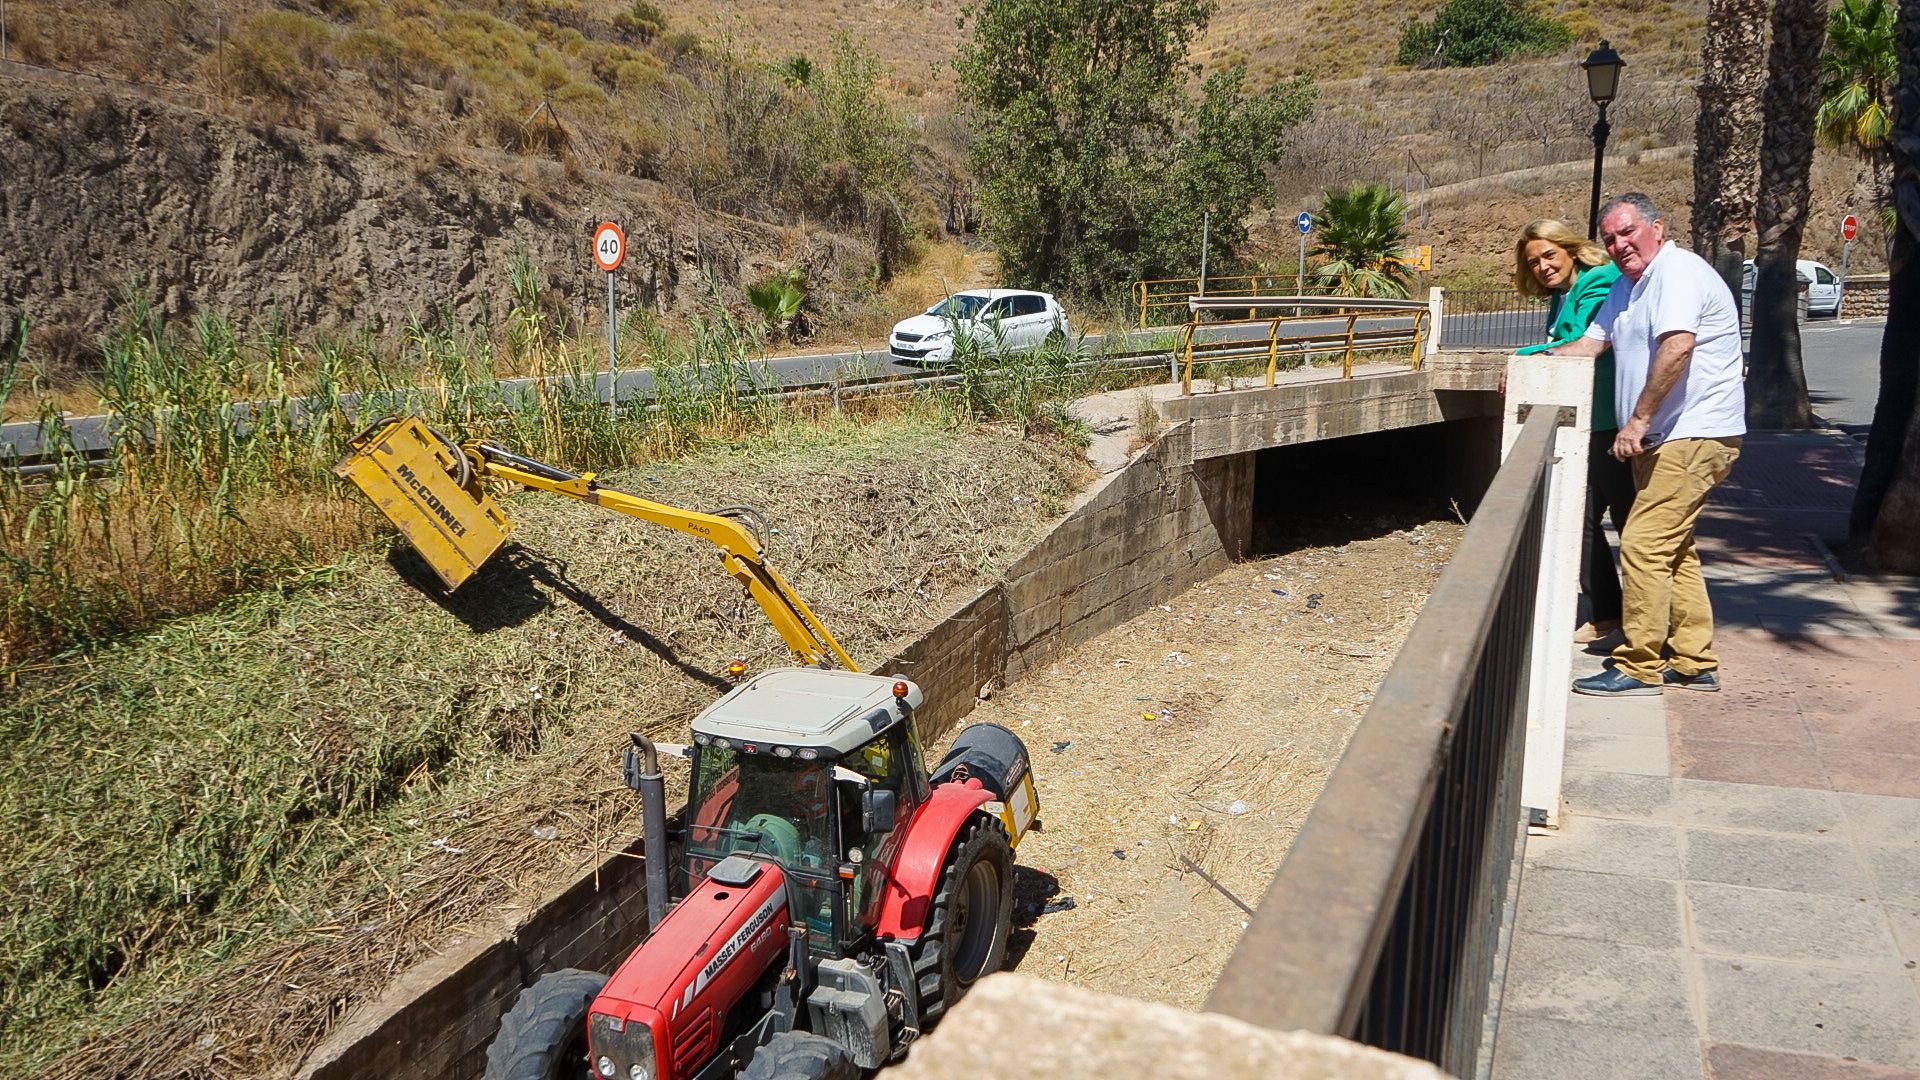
1357, 487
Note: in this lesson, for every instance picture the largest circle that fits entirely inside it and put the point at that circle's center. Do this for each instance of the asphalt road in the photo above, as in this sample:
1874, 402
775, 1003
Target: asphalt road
1841, 358
1842, 361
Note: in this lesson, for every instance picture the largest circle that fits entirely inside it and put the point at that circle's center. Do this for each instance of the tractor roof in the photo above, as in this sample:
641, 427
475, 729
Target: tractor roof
834, 711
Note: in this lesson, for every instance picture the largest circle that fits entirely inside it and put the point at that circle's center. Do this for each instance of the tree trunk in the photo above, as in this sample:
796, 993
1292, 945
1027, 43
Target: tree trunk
1886, 508
1726, 152
1776, 382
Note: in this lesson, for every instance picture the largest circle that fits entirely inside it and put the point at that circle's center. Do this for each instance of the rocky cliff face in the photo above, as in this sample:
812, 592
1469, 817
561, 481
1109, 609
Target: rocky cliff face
99, 186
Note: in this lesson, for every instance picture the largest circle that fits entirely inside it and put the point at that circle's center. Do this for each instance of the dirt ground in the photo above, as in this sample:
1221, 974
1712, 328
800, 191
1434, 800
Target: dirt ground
1196, 738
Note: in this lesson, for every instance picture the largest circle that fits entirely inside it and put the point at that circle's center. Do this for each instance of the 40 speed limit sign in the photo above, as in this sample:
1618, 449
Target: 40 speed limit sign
609, 246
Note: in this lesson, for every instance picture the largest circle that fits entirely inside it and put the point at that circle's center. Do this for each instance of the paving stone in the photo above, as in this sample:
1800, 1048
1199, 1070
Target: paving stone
1600, 907
1871, 731
1844, 931
1726, 1061
1621, 716
1756, 807
1896, 871
1880, 819
1873, 1016
1748, 763
1767, 861
1871, 773
1601, 752
1704, 716
1609, 846
1612, 794
1832, 621
1905, 920
1575, 980
1541, 1048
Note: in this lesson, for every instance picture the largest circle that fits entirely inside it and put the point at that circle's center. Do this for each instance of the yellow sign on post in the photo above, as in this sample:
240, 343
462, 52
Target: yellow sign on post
1423, 257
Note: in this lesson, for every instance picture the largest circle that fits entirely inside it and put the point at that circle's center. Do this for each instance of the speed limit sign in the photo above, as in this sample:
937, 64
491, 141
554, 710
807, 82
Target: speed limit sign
609, 246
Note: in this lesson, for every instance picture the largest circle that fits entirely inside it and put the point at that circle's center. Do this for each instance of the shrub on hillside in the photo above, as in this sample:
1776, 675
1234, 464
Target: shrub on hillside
642, 21
1468, 33
278, 53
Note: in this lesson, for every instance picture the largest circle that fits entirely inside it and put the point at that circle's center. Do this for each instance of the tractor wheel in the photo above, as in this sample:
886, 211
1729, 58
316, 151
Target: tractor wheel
544, 1035
800, 1055
966, 934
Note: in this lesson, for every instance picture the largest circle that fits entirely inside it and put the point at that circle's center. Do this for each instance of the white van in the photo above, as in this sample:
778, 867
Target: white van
1819, 288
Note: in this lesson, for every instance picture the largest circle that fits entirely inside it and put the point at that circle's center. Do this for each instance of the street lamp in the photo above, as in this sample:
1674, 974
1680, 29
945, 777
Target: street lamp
1603, 82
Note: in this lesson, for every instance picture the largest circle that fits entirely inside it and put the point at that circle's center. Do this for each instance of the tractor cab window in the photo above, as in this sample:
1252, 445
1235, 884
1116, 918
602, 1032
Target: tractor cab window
889, 762
762, 804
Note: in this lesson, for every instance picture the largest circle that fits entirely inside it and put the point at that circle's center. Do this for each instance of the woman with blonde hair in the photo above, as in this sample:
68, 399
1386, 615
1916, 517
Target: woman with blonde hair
1574, 272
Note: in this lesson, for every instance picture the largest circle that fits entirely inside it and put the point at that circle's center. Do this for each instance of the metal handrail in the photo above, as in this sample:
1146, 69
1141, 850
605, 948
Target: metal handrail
1190, 348
1382, 923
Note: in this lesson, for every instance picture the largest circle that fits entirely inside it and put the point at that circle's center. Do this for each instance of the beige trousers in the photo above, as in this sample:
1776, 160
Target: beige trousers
1663, 597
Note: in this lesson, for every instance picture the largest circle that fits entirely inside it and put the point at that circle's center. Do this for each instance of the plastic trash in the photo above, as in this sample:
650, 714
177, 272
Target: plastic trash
1238, 807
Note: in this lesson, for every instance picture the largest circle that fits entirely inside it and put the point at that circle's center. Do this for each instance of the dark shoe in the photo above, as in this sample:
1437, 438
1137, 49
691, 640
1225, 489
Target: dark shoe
1614, 683
1707, 680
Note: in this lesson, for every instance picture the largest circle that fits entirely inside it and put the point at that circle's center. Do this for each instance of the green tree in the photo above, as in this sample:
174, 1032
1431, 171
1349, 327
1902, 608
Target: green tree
1095, 162
1469, 33
1363, 238
1856, 85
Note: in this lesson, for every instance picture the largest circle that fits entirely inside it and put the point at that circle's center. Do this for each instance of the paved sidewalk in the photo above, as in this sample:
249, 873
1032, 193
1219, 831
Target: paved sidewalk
1735, 890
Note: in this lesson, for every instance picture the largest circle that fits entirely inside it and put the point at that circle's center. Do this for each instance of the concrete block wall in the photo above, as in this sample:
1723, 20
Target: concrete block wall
438, 1017
1147, 532
1865, 297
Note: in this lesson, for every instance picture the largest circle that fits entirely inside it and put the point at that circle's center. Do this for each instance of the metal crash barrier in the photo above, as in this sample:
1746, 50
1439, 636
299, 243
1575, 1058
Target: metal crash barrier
1171, 293
1391, 325
1383, 924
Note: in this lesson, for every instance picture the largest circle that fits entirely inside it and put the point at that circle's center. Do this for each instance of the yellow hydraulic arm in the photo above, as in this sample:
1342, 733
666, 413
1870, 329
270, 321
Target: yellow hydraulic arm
432, 491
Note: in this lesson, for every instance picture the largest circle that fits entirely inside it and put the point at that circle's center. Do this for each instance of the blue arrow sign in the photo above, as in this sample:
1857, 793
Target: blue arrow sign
1305, 221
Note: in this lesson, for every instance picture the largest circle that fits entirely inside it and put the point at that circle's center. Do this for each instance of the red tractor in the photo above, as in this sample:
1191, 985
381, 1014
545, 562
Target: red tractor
841, 897
836, 896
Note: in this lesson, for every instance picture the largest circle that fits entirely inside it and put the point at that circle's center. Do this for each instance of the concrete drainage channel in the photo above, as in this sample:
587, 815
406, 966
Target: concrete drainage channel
1140, 536
1152, 527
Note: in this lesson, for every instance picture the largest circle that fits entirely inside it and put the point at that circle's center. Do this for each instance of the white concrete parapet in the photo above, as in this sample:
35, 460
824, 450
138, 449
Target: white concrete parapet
1552, 382
1016, 1025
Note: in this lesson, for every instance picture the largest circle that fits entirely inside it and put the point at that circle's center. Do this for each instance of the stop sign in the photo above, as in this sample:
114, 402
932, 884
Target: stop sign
1849, 227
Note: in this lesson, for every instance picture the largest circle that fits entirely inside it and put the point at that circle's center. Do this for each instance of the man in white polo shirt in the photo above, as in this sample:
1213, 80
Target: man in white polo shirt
1680, 390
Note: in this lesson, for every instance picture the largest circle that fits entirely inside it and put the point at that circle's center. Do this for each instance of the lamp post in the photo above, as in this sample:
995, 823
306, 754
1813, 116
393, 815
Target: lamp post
1603, 82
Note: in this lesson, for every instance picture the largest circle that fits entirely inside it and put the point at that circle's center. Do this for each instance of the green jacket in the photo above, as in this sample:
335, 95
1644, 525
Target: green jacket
1567, 320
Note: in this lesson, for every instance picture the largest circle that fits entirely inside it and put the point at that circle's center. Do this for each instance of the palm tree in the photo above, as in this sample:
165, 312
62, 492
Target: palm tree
1363, 238
1776, 382
1726, 157
1856, 87
1885, 521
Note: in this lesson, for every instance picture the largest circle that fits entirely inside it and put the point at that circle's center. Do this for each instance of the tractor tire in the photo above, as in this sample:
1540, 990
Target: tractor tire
966, 934
800, 1055
544, 1035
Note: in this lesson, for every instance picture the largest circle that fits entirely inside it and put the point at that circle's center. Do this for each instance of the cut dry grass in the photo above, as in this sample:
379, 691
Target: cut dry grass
244, 823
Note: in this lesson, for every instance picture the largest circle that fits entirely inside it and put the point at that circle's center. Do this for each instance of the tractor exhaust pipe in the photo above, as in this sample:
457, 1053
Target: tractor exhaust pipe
643, 775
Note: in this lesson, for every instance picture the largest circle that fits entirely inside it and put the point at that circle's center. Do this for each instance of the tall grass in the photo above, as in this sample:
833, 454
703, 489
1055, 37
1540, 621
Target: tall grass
219, 475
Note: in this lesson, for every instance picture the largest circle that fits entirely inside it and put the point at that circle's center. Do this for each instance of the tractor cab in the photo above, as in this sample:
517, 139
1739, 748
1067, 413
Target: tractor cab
819, 772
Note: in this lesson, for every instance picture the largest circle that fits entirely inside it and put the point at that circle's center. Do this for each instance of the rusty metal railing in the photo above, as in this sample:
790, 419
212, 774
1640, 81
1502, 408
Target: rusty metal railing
1383, 923
1392, 325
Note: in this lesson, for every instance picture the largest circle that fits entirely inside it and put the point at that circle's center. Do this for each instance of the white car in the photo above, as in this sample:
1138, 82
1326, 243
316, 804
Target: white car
1012, 319
1819, 285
